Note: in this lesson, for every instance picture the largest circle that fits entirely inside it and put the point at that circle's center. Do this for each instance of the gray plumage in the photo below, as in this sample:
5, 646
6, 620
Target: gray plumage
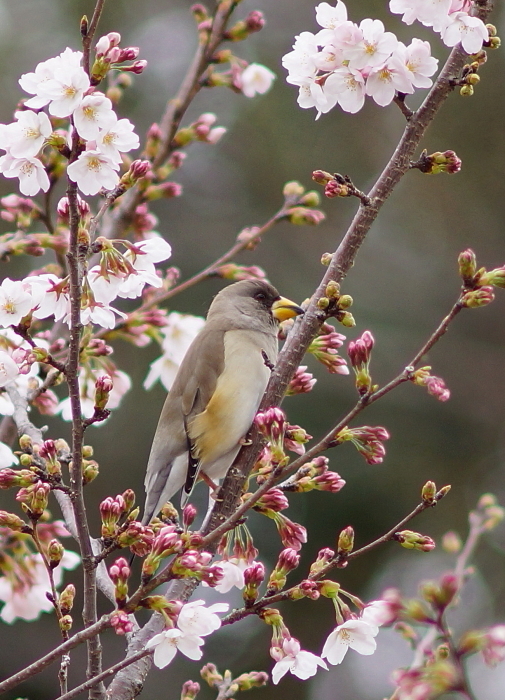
216, 392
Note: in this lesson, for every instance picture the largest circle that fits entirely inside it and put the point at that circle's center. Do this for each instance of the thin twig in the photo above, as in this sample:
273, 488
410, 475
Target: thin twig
90, 33
55, 654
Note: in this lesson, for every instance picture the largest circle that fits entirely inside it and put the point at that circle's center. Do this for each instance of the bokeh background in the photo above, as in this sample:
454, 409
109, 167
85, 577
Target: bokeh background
404, 281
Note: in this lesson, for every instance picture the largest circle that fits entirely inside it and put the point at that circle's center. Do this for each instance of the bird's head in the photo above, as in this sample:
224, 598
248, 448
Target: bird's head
253, 304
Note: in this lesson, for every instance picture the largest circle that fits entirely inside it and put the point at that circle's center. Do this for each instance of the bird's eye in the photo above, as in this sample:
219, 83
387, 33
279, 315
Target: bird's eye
259, 296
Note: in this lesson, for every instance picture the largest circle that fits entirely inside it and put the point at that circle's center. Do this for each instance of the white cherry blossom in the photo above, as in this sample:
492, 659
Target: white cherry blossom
24, 138
9, 369
26, 599
383, 82
233, 574
256, 80
94, 112
470, 31
179, 333
349, 86
418, 61
302, 664
299, 62
51, 295
355, 634
65, 89
30, 171
117, 138
15, 302
167, 643
92, 171
7, 456
197, 620
375, 47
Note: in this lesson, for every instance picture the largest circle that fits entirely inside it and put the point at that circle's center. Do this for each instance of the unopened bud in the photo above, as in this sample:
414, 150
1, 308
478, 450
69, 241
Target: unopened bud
429, 491
414, 540
293, 189
326, 259
466, 90
65, 623
55, 552
451, 543
211, 675
346, 541
321, 177
494, 42
345, 301
66, 599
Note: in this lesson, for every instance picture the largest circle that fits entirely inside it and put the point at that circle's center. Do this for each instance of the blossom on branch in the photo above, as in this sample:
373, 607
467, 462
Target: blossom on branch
355, 634
290, 657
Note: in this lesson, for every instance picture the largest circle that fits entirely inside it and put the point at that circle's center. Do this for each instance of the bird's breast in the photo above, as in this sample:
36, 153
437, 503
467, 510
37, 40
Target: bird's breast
239, 389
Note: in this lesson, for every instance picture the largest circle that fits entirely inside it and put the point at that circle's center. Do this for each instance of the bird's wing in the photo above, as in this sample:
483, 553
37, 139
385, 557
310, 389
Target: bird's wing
193, 386
216, 432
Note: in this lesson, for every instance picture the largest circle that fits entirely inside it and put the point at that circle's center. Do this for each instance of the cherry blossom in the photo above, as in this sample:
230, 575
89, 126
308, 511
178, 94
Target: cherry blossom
92, 171
233, 574
356, 634
299, 62
195, 619
51, 294
256, 80
65, 88
375, 47
418, 61
302, 664
349, 86
167, 643
24, 592
9, 369
7, 456
93, 113
383, 82
30, 171
15, 302
24, 137
121, 384
116, 138
470, 31
179, 332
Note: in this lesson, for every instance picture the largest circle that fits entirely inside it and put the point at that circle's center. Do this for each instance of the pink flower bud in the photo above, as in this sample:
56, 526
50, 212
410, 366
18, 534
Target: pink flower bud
121, 622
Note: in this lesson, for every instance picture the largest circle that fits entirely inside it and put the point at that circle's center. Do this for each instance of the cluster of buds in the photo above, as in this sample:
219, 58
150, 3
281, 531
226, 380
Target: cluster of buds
315, 475
167, 541
235, 273
301, 383
272, 425
301, 205
139, 538
34, 499
21, 211
435, 163
488, 514
368, 440
254, 576
435, 385
324, 557
254, 22
190, 690
359, 352
335, 304
14, 522
288, 561
121, 622
325, 349
108, 54
112, 511
10, 478
103, 387
119, 573
478, 280
195, 564
202, 129
428, 682
442, 593
337, 185
414, 540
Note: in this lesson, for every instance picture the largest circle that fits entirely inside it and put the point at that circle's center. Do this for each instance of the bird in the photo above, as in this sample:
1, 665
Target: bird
216, 392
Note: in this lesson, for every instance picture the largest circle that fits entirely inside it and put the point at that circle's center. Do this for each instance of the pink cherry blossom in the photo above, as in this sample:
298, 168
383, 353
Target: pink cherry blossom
167, 643
383, 82
349, 86
470, 31
418, 61
24, 138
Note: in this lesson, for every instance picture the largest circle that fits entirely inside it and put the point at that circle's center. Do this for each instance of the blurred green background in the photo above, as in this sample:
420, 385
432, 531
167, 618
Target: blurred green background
404, 281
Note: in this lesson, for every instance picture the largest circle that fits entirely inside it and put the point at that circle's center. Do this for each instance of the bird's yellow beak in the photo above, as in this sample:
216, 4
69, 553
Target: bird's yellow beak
283, 308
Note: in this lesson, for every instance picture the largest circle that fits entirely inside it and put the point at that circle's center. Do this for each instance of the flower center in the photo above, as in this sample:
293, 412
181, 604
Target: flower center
94, 164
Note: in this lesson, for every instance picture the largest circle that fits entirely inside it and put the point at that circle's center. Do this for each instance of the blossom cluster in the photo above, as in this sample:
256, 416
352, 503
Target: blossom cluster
343, 63
61, 85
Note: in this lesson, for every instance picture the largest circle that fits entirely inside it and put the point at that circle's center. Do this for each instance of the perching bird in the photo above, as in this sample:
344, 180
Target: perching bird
216, 392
